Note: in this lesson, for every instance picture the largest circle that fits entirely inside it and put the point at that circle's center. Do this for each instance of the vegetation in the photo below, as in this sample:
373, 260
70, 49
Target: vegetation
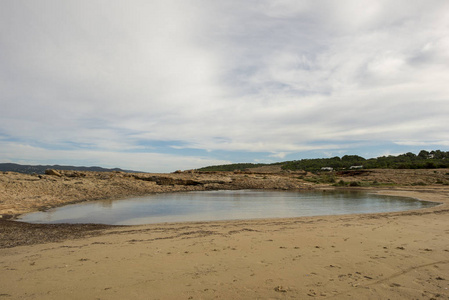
423, 160
336, 163
232, 167
324, 178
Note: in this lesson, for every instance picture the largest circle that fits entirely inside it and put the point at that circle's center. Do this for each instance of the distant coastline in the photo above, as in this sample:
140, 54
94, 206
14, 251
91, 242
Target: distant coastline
40, 169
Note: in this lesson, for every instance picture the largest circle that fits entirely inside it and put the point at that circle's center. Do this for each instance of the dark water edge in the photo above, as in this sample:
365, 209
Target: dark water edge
223, 205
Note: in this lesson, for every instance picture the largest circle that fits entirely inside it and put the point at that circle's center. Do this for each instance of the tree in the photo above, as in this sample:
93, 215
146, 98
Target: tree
423, 154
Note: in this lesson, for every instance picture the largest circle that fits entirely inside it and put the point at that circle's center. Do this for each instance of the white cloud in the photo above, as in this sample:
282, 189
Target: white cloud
433, 143
147, 162
261, 76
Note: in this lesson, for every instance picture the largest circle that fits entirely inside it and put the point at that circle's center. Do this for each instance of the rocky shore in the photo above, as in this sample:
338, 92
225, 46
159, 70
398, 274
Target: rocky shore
22, 193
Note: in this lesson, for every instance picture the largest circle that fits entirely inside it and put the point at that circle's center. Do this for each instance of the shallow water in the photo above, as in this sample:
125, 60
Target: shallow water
222, 205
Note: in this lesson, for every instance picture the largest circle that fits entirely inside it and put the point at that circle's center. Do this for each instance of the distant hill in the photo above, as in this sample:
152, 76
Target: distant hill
40, 169
423, 160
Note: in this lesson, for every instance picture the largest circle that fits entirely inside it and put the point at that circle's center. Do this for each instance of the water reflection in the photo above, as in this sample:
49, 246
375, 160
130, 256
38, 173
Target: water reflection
223, 205
107, 203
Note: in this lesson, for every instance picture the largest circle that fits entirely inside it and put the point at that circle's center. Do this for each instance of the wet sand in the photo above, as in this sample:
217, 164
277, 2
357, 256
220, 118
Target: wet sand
401, 255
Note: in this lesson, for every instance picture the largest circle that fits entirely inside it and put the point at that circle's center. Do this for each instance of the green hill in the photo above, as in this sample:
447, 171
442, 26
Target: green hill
423, 160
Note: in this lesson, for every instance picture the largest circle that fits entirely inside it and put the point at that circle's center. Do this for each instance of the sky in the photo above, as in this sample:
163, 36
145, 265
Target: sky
163, 85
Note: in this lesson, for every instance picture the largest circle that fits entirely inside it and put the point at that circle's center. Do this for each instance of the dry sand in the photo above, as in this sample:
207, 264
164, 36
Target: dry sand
374, 256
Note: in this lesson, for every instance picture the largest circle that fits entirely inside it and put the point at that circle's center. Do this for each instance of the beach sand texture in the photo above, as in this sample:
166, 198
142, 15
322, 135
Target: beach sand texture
375, 256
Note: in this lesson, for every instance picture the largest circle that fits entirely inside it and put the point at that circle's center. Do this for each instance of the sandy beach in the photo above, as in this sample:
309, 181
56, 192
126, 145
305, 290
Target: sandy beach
402, 255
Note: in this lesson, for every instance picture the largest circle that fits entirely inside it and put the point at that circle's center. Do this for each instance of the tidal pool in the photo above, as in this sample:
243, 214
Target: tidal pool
222, 205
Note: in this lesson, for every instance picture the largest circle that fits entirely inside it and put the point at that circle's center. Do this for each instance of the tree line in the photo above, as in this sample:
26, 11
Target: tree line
231, 167
423, 160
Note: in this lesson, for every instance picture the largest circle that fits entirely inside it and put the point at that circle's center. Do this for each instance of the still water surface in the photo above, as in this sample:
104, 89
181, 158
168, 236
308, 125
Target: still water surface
223, 205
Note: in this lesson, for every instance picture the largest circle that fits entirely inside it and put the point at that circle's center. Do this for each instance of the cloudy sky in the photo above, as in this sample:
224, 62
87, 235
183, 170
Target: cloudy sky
164, 85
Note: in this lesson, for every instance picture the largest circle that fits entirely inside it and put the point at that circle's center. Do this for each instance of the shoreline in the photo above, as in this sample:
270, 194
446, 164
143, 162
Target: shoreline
15, 218
396, 255
22, 193
66, 231
382, 191
16, 233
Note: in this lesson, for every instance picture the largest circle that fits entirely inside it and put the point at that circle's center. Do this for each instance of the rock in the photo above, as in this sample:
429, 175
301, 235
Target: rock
161, 180
172, 181
52, 172
6, 216
75, 174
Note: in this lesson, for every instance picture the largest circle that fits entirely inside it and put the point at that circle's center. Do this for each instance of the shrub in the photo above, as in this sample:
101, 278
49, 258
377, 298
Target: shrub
329, 179
420, 183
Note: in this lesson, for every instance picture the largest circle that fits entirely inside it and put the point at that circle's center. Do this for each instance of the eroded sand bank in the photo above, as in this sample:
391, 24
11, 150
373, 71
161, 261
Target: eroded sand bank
377, 256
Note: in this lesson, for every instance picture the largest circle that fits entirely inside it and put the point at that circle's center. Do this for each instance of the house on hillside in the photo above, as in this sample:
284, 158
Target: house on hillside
355, 167
330, 169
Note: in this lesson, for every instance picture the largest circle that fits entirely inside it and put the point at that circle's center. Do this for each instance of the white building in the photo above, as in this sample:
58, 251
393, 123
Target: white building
355, 167
327, 169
